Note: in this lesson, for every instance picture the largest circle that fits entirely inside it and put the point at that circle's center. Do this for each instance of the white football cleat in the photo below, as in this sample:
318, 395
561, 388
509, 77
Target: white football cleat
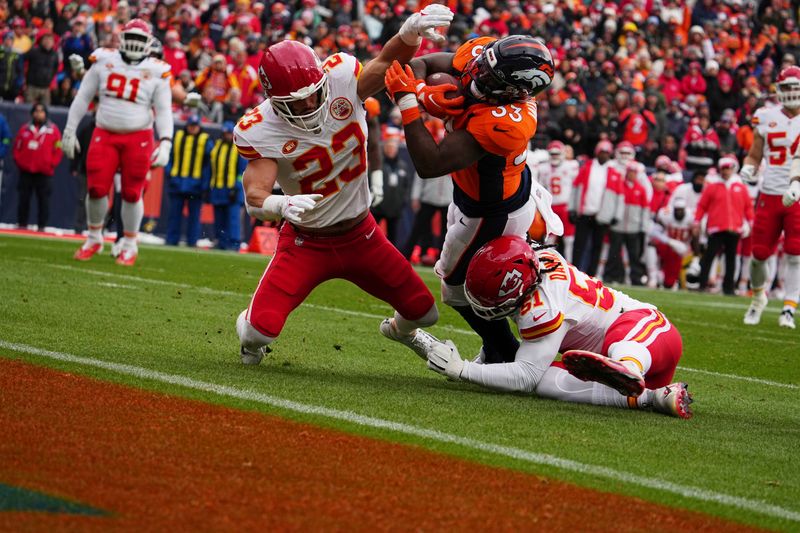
757, 306
116, 249
250, 357
673, 400
421, 342
786, 319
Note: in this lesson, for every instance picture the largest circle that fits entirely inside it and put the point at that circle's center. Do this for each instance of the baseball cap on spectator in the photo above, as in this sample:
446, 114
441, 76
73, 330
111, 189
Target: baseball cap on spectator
788, 58
663, 162
728, 162
653, 20
696, 29
629, 26
728, 115
217, 58
724, 79
193, 120
712, 67
679, 202
571, 101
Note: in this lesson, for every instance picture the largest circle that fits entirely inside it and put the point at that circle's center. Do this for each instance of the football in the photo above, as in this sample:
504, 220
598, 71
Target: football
443, 78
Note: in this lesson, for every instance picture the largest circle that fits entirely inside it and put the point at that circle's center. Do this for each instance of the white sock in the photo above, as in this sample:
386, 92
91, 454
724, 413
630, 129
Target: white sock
792, 282
558, 384
407, 327
96, 209
758, 275
132, 214
745, 269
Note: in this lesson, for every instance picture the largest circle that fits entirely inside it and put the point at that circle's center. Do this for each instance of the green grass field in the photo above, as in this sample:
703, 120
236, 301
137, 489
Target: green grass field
171, 320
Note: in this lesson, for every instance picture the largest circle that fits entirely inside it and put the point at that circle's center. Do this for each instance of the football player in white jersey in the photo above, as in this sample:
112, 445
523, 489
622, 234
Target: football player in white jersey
557, 175
129, 85
776, 138
627, 348
310, 136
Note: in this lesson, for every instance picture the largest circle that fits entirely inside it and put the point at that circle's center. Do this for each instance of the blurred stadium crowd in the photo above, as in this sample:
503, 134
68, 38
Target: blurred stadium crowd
676, 81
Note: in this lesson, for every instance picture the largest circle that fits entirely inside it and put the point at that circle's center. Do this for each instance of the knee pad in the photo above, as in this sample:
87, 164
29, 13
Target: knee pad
761, 252
453, 295
250, 337
96, 192
131, 194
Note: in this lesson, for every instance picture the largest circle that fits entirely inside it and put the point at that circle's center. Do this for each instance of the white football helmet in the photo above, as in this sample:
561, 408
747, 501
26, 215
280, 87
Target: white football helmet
788, 87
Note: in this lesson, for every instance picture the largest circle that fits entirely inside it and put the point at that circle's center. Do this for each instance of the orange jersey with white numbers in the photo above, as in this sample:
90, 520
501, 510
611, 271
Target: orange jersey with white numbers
332, 163
568, 298
500, 181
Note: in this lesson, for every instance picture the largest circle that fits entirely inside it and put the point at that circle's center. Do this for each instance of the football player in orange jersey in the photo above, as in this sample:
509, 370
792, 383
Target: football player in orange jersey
485, 151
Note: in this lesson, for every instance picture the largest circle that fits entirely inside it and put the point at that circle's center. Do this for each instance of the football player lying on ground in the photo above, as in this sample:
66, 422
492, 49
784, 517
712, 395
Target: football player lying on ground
626, 349
485, 151
310, 137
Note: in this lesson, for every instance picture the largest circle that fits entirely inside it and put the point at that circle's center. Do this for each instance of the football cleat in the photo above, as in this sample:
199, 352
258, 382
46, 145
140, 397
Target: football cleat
786, 320
421, 342
250, 357
116, 249
127, 258
673, 400
88, 250
757, 306
590, 366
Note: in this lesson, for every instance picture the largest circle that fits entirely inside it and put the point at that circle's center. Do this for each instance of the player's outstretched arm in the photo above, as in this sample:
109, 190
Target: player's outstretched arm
403, 46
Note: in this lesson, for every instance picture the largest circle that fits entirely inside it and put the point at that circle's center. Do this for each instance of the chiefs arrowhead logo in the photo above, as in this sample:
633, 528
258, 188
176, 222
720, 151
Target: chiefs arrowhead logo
511, 283
264, 80
341, 108
289, 147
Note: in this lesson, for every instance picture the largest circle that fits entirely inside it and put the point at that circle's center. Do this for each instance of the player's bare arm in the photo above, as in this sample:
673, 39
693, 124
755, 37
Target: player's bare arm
457, 150
432, 63
258, 180
753, 159
403, 46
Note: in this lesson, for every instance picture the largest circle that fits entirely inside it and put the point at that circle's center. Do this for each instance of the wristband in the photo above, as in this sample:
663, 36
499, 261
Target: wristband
409, 109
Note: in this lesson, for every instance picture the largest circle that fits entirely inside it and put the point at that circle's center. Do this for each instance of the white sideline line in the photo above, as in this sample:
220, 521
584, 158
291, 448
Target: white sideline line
381, 317
686, 491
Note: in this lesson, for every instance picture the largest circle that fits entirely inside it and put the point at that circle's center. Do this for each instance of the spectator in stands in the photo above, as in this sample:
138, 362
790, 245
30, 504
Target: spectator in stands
701, 146
726, 202
216, 78
42, 64
174, 54
245, 75
37, 152
189, 172
209, 109
77, 41
11, 68
233, 109
22, 41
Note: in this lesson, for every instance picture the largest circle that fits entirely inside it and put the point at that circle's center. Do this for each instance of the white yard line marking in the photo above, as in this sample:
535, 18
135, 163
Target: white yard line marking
116, 285
687, 491
362, 314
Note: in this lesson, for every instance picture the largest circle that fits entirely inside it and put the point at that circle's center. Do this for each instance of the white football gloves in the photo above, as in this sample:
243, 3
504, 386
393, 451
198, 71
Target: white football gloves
444, 359
792, 194
76, 64
748, 175
376, 187
69, 144
160, 156
290, 208
424, 24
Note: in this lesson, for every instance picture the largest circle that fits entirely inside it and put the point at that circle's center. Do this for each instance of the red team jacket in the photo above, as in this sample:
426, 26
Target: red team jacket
727, 204
38, 150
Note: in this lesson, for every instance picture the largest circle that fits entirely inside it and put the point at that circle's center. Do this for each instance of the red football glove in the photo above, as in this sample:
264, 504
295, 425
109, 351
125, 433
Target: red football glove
400, 81
433, 98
